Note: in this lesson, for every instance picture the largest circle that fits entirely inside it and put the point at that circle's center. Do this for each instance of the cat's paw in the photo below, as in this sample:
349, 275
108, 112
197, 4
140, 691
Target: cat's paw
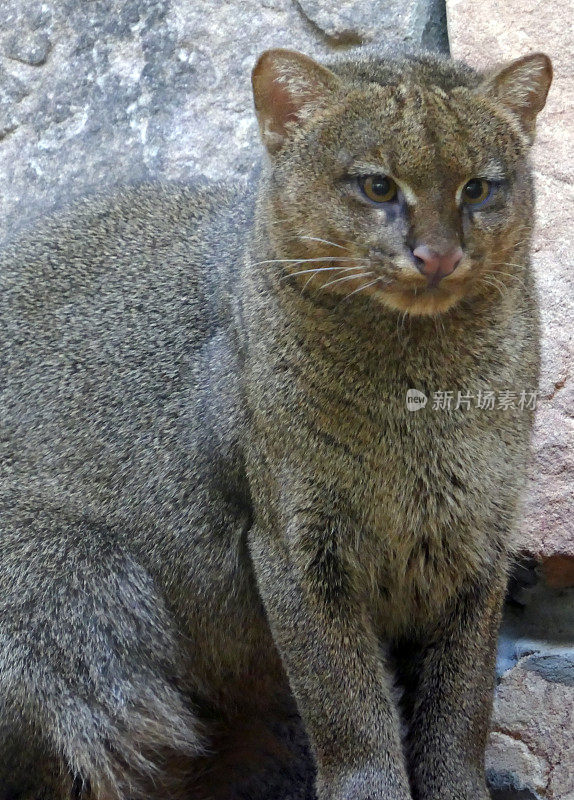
366, 784
477, 791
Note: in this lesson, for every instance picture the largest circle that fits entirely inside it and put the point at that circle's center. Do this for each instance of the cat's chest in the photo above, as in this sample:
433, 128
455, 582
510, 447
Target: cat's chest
423, 536
421, 485
421, 475
418, 487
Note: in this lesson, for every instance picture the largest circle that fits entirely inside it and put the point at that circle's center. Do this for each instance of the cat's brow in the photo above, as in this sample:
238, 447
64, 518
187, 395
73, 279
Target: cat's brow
359, 168
494, 171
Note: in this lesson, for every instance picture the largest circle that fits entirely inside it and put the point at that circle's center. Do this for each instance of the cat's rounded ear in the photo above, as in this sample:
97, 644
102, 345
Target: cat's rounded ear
288, 88
521, 86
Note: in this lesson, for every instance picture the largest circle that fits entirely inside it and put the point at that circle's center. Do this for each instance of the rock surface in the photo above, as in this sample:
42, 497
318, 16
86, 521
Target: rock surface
532, 748
99, 93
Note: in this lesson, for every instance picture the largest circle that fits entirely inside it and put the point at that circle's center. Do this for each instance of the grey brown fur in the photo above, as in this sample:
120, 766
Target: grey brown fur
217, 511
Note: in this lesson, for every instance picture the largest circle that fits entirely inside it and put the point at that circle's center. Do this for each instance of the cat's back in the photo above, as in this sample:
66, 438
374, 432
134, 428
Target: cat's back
111, 312
99, 253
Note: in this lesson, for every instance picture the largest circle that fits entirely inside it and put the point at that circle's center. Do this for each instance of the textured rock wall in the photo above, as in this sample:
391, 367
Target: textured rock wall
531, 751
102, 92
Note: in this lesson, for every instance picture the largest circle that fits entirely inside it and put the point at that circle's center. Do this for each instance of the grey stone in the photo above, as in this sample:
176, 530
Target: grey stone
361, 21
531, 745
512, 767
529, 754
538, 630
554, 667
117, 91
32, 49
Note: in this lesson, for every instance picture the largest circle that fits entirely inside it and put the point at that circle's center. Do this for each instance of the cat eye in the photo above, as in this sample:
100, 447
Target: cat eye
378, 188
476, 191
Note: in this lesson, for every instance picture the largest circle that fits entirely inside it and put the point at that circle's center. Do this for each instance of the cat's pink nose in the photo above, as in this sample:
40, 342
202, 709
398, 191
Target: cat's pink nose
436, 266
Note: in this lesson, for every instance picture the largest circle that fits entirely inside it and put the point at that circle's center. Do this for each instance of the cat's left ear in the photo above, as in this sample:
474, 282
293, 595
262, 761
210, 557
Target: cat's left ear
521, 86
288, 88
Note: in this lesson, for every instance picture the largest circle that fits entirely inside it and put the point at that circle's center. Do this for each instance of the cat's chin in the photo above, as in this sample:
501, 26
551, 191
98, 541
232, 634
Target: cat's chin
419, 304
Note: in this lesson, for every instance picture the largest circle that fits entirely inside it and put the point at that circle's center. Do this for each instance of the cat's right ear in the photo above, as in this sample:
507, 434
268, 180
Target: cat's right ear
521, 86
288, 88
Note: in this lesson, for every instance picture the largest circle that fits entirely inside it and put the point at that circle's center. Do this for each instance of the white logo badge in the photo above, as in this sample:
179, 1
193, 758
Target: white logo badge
416, 400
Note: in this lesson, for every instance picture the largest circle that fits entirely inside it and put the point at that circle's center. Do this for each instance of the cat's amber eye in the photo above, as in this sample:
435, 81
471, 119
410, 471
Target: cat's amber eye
476, 191
378, 188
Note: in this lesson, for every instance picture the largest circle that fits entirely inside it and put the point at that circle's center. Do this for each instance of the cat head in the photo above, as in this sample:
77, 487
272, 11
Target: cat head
407, 181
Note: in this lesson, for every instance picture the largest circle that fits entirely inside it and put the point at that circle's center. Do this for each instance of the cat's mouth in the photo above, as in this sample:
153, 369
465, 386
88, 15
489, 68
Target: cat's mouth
388, 280
401, 287
409, 292
420, 300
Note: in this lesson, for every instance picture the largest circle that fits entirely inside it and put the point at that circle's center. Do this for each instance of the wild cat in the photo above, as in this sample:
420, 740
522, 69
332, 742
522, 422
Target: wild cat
221, 525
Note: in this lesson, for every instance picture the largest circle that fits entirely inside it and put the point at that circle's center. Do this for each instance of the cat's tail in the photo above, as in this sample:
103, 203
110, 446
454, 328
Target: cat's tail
90, 698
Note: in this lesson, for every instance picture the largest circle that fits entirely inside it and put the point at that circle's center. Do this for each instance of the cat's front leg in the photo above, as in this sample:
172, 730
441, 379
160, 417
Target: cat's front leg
330, 653
452, 681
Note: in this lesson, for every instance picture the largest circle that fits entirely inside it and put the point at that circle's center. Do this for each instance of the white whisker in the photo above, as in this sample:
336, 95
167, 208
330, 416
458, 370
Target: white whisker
404, 316
511, 275
360, 289
347, 278
494, 286
302, 260
324, 241
507, 264
321, 269
317, 269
